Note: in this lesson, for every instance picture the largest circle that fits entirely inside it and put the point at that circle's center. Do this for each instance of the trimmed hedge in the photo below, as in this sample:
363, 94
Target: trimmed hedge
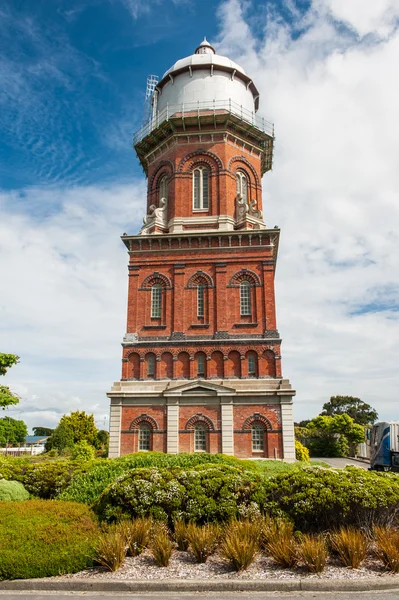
88, 486
13, 491
44, 538
203, 494
318, 499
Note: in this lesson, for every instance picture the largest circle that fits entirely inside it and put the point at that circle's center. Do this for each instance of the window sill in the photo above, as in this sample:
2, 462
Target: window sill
200, 210
199, 326
154, 327
245, 325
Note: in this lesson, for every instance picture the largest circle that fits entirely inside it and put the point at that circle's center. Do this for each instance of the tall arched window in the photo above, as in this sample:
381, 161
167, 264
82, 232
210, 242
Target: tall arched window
200, 300
252, 370
145, 438
201, 365
200, 438
163, 187
245, 298
150, 365
242, 185
258, 438
156, 301
201, 188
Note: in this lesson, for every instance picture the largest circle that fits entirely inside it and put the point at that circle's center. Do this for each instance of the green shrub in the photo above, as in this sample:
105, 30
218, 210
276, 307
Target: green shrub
87, 487
42, 538
317, 499
203, 494
301, 452
83, 451
12, 490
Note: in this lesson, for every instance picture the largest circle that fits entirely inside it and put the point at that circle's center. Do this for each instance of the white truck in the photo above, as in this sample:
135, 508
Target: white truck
384, 446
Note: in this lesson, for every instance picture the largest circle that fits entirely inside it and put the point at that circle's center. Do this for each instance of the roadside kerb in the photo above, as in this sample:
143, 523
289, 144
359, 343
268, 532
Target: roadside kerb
176, 585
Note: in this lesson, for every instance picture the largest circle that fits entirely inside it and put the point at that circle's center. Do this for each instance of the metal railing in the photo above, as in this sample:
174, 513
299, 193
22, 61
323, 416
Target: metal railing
215, 107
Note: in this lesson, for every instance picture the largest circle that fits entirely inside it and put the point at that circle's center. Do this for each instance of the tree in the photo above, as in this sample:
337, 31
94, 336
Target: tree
72, 429
6, 395
12, 431
42, 431
361, 413
333, 436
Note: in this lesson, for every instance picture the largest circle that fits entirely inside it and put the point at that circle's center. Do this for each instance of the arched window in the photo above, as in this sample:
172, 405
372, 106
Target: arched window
156, 301
252, 370
200, 438
145, 438
200, 300
201, 188
245, 298
242, 185
258, 438
151, 365
163, 187
201, 365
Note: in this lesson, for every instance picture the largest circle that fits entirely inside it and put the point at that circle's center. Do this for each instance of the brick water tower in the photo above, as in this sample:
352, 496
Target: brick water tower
201, 364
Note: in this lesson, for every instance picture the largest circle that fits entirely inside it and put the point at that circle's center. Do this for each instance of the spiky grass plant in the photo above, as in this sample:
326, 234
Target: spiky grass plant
351, 545
313, 552
161, 546
203, 540
282, 545
180, 535
137, 534
241, 544
111, 548
387, 547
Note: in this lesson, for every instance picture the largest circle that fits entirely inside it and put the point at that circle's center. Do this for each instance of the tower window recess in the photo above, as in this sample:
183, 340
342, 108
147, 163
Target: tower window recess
201, 188
258, 438
245, 298
200, 432
242, 185
201, 365
252, 365
200, 300
151, 366
156, 301
163, 187
144, 438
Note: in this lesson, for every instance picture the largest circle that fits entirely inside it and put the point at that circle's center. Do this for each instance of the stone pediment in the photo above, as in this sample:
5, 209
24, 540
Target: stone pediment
200, 388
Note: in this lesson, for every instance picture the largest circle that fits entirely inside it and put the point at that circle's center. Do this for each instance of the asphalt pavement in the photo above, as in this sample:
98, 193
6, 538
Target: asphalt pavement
340, 463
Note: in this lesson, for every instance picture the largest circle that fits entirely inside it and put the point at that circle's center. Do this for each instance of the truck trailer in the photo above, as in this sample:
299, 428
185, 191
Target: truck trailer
384, 446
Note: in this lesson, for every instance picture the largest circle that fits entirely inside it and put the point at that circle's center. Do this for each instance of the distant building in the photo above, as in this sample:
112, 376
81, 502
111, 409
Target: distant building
35, 440
201, 366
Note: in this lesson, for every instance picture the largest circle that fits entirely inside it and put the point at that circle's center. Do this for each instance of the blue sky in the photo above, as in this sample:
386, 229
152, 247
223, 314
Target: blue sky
72, 83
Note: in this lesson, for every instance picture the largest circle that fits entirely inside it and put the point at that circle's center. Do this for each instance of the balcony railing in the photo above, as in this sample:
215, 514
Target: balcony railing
191, 109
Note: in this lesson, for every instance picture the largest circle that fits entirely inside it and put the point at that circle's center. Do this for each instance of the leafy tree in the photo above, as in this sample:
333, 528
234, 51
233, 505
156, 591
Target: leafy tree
42, 431
361, 413
6, 395
333, 436
12, 431
72, 429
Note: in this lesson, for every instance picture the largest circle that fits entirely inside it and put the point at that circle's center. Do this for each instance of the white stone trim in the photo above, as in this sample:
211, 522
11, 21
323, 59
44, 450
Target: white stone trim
172, 428
287, 425
115, 415
227, 428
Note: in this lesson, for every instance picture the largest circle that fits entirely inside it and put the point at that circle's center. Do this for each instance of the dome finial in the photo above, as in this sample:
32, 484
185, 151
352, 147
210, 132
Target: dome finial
205, 48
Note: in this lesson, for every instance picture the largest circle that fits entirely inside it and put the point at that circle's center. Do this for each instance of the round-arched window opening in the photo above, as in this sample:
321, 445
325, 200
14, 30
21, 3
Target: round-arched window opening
258, 438
145, 438
200, 438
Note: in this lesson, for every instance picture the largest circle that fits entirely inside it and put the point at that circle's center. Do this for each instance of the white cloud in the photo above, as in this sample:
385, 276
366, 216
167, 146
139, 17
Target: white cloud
333, 95
63, 296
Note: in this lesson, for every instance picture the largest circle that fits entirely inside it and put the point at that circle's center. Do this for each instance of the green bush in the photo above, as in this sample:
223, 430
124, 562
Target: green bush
203, 494
87, 487
83, 451
318, 499
42, 538
301, 452
43, 479
12, 490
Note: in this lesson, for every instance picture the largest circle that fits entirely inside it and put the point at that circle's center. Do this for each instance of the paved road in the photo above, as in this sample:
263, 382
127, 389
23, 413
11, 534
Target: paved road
379, 595
340, 463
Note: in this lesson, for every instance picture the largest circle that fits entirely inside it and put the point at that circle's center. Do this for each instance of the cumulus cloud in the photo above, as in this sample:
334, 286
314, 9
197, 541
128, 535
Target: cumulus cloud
328, 81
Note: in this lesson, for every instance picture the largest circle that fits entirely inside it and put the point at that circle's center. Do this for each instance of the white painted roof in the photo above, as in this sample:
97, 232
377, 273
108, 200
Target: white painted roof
204, 60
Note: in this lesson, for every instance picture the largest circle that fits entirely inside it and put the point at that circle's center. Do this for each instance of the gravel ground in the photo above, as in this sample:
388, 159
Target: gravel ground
183, 565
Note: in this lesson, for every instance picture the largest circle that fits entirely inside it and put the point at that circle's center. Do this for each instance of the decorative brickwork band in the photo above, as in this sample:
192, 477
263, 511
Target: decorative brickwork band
256, 418
156, 278
245, 275
143, 420
200, 277
199, 418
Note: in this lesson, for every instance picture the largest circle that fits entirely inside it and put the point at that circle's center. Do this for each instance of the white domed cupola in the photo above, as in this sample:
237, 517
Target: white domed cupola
205, 48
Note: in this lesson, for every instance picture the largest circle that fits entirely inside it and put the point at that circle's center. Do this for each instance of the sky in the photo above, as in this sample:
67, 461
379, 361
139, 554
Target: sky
72, 86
